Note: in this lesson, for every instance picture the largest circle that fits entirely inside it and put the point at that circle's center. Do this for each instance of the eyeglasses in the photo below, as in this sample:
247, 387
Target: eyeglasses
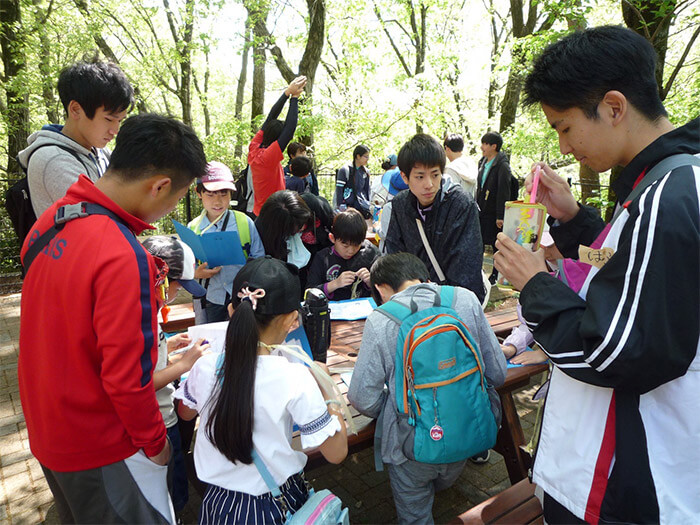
220, 193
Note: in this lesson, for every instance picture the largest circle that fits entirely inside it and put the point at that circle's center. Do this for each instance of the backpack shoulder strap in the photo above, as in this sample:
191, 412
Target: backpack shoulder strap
658, 172
74, 153
194, 223
447, 296
394, 311
64, 214
243, 230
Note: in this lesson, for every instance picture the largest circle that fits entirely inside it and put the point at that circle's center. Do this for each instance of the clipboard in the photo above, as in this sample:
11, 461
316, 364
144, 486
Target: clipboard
215, 248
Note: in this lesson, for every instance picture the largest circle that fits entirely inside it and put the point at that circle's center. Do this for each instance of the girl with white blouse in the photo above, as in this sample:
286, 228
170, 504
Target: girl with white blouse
249, 399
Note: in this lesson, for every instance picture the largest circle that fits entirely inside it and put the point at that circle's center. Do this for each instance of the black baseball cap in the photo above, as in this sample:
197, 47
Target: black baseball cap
280, 281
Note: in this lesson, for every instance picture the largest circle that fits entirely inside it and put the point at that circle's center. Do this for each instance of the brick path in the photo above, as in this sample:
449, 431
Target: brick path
25, 497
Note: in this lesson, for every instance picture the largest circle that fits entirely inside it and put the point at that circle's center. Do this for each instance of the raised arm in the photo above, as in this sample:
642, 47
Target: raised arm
295, 88
276, 109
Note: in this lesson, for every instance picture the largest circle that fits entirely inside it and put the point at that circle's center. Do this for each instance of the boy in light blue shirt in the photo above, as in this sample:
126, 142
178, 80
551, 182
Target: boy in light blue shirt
214, 189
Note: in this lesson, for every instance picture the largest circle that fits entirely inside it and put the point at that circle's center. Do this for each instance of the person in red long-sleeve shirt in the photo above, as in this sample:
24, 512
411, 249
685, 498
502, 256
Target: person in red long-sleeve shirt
88, 332
265, 150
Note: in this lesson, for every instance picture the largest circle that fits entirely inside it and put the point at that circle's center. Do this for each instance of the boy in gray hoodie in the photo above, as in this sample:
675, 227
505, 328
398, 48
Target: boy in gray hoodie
96, 97
397, 277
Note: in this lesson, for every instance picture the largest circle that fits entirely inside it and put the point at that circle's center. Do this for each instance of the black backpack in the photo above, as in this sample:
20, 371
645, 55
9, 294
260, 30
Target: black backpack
18, 202
242, 193
514, 188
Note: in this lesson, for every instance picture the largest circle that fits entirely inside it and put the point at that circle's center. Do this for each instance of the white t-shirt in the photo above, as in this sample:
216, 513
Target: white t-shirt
285, 393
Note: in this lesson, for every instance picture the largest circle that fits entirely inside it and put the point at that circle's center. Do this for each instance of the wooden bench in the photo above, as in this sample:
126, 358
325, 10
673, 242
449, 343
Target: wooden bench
516, 505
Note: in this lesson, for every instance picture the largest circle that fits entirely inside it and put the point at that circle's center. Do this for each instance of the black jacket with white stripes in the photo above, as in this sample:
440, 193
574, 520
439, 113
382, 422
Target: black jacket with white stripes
634, 329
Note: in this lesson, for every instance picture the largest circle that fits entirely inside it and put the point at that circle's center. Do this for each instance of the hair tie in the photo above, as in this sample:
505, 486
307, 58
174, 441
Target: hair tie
246, 295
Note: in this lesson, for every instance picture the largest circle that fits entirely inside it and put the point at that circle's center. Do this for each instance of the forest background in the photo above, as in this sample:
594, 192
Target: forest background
379, 71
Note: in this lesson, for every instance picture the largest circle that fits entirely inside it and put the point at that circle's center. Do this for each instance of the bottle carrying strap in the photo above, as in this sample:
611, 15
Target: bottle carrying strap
429, 251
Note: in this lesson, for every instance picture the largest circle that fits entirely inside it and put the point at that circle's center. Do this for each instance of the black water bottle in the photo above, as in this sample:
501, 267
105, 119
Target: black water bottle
317, 322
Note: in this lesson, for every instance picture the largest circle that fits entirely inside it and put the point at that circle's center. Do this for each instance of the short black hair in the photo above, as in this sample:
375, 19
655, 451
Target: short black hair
272, 129
294, 148
149, 144
395, 269
421, 149
349, 226
300, 166
92, 83
578, 70
493, 137
454, 141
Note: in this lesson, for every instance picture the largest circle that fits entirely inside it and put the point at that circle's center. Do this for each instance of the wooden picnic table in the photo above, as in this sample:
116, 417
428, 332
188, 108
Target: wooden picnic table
346, 337
345, 343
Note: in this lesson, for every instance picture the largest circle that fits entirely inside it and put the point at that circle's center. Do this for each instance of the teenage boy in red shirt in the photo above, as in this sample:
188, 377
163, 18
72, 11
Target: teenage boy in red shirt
88, 332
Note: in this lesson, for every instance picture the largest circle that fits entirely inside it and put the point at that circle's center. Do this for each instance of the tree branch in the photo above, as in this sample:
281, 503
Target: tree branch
391, 41
679, 65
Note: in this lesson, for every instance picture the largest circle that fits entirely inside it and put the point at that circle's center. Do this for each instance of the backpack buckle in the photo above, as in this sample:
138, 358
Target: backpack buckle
69, 212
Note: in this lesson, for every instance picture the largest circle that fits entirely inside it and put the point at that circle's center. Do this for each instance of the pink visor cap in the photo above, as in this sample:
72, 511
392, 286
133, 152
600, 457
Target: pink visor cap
218, 177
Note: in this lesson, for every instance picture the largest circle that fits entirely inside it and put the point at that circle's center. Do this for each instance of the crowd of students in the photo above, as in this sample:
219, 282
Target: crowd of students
97, 376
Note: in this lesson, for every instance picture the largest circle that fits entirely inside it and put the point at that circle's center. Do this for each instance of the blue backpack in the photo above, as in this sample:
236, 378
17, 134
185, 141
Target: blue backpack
444, 411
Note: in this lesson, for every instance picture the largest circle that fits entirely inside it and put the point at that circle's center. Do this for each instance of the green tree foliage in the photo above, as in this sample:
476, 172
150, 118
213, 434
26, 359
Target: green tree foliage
385, 67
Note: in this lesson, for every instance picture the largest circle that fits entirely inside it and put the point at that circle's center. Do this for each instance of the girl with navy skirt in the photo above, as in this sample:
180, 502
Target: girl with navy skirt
248, 398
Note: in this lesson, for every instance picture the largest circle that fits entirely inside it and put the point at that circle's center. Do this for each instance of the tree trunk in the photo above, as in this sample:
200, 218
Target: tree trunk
651, 19
511, 97
13, 58
183, 45
47, 78
521, 28
310, 59
590, 183
260, 36
240, 91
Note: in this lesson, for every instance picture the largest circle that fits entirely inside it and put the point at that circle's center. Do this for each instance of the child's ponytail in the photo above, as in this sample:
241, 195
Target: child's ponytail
230, 427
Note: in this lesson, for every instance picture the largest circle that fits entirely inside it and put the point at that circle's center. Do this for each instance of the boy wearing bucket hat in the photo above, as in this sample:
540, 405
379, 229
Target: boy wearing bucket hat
179, 267
214, 189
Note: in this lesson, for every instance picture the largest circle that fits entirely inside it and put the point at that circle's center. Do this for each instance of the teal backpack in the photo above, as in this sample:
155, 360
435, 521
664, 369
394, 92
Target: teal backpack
444, 411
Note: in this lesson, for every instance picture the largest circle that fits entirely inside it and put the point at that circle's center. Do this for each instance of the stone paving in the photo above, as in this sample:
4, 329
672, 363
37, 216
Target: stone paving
26, 499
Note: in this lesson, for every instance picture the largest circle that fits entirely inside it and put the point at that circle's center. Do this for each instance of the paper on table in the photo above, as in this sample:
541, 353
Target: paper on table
351, 310
214, 248
215, 333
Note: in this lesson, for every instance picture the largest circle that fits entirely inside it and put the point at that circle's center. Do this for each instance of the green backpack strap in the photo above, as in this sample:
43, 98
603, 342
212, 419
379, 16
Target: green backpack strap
243, 231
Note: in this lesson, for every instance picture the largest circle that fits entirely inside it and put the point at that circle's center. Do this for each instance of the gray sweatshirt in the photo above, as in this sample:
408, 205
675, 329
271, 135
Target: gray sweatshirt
52, 170
375, 363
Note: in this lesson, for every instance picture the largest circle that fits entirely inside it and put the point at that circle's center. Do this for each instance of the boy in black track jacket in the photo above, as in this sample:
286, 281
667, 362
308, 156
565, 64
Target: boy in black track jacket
619, 439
